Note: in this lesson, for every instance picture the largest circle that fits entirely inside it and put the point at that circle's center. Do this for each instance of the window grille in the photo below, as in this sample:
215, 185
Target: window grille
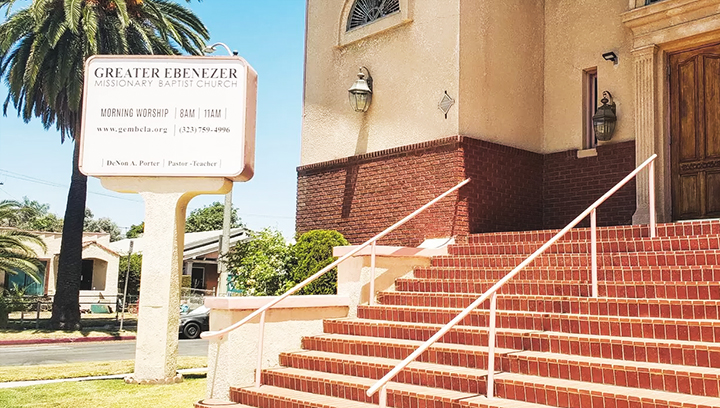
366, 11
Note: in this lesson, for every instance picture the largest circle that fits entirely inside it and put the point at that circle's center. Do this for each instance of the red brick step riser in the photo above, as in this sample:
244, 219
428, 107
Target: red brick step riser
350, 391
617, 232
666, 329
616, 373
675, 380
683, 258
692, 243
660, 308
615, 349
660, 290
583, 398
703, 273
631, 349
474, 383
256, 398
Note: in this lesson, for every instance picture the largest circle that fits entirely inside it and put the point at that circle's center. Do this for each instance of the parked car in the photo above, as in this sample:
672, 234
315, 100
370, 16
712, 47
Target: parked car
195, 322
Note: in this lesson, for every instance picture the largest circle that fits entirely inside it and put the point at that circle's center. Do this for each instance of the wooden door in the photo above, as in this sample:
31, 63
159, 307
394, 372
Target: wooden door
695, 133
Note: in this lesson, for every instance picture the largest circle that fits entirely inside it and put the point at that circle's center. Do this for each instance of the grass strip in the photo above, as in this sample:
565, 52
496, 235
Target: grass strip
84, 369
106, 394
9, 334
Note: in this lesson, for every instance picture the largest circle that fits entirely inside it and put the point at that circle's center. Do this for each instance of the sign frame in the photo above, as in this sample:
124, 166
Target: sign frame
248, 107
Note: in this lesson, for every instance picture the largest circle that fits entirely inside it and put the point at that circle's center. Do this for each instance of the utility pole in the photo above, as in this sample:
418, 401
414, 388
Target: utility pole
127, 278
224, 246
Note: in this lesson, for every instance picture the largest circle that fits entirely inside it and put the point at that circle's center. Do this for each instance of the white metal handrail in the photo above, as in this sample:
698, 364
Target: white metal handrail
382, 383
261, 311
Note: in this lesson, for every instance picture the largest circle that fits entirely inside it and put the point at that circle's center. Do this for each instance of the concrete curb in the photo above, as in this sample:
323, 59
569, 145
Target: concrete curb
65, 340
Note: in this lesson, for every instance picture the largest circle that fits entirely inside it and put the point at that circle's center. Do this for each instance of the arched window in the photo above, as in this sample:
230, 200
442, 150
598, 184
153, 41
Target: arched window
367, 11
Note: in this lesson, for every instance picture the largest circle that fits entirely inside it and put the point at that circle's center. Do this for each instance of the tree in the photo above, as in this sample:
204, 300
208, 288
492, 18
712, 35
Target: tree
16, 255
33, 216
210, 218
134, 278
135, 230
312, 252
102, 224
43, 48
257, 267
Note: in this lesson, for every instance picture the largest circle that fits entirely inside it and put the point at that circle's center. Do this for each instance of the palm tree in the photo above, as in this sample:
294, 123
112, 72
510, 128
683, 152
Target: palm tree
42, 51
16, 256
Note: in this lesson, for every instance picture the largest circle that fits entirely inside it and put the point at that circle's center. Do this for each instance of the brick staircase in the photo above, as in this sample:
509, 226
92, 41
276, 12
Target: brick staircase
651, 340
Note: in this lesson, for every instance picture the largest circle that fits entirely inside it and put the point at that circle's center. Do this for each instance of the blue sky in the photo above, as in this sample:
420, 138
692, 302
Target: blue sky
270, 35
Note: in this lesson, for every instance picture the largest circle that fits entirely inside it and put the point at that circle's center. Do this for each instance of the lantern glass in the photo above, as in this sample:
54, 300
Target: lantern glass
360, 101
360, 93
604, 120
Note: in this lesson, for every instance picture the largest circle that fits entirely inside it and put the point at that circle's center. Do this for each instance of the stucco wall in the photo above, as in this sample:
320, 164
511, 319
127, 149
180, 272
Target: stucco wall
514, 67
577, 33
411, 64
501, 72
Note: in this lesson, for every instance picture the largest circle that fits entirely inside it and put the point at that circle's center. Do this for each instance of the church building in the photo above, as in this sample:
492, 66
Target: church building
543, 104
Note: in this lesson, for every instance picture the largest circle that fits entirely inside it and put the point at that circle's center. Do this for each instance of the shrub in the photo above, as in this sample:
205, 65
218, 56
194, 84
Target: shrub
258, 267
312, 252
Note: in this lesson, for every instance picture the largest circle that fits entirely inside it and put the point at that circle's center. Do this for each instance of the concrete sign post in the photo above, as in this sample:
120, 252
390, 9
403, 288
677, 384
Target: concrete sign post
168, 128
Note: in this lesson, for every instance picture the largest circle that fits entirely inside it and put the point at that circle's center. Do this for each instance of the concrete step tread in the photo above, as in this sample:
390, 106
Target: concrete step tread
643, 393
212, 402
366, 383
319, 400
497, 402
629, 319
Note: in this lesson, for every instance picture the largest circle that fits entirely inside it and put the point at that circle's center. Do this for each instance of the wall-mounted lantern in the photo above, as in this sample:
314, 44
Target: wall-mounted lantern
604, 119
360, 93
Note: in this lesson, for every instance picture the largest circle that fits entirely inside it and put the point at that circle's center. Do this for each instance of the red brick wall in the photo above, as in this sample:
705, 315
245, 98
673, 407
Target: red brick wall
506, 189
570, 185
511, 189
362, 195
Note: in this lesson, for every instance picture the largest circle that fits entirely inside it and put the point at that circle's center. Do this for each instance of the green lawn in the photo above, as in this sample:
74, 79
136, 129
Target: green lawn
105, 394
85, 369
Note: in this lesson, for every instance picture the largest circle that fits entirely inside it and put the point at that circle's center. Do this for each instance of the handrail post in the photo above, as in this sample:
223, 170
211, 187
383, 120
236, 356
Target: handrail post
372, 273
593, 251
261, 335
383, 397
651, 198
491, 347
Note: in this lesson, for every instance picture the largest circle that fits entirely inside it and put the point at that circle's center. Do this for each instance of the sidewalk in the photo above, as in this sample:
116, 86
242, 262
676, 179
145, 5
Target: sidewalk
101, 377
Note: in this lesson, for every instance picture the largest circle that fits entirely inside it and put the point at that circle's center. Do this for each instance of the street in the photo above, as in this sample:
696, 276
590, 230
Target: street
60, 353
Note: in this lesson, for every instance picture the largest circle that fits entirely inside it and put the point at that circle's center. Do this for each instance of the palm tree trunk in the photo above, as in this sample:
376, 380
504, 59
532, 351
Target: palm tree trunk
66, 302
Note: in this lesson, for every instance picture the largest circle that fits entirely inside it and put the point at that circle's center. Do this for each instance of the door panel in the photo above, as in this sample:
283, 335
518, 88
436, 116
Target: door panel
713, 192
695, 132
712, 107
689, 197
688, 98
